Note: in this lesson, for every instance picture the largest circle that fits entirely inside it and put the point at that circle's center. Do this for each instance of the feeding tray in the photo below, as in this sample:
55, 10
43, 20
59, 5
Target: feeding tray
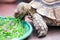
10, 28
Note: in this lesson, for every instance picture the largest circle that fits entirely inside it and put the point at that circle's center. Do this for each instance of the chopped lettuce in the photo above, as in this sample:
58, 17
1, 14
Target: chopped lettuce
11, 28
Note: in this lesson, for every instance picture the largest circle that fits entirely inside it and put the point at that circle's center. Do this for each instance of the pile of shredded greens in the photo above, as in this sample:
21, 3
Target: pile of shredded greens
11, 28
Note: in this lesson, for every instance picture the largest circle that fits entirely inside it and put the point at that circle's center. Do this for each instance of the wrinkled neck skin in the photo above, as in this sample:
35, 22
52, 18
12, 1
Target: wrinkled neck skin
31, 12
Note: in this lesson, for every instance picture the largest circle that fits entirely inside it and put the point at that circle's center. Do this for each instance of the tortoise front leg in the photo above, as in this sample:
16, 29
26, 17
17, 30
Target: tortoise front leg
40, 25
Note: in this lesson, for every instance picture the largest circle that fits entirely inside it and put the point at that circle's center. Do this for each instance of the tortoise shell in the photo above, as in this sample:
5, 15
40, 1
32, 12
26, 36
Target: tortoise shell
48, 8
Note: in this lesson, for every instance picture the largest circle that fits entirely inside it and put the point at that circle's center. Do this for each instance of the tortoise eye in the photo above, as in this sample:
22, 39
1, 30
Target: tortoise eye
16, 15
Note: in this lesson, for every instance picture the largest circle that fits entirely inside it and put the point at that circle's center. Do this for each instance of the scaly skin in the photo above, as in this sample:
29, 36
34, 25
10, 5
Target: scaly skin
40, 25
42, 12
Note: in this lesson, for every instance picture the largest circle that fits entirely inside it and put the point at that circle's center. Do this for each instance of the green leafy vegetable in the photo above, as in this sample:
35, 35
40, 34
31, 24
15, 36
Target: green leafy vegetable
11, 28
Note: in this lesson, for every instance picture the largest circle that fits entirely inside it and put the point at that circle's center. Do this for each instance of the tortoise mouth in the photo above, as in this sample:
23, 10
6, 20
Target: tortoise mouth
51, 2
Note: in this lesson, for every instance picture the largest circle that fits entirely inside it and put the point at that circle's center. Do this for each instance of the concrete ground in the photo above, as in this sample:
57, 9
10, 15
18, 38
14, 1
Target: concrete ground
53, 33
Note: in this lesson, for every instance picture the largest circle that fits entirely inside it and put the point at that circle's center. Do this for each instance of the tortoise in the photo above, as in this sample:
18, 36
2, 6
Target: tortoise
42, 12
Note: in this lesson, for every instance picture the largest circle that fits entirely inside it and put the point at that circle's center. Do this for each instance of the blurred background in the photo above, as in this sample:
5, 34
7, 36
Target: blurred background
7, 8
13, 1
